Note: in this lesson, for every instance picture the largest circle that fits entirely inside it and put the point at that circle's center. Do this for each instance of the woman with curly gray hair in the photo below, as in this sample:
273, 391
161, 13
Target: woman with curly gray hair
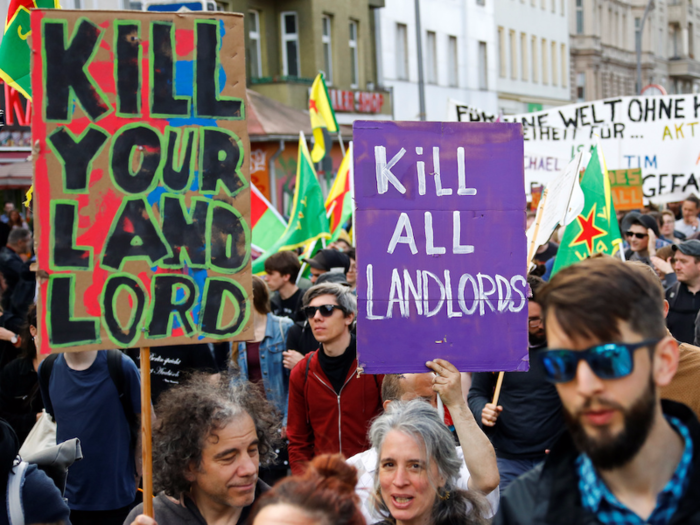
208, 443
417, 469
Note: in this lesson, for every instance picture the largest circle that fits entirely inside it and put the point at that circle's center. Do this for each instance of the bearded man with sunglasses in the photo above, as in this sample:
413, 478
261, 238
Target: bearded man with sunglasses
628, 457
330, 403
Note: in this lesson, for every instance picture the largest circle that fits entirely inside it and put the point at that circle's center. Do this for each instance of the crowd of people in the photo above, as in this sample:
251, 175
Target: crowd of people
599, 426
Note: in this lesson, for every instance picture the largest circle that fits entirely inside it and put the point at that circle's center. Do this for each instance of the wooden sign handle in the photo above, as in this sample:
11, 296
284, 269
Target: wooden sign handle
499, 384
146, 442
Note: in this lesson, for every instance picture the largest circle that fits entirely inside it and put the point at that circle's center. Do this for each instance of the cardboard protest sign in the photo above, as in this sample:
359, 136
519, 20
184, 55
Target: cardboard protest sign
655, 134
440, 245
626, 186
142, 196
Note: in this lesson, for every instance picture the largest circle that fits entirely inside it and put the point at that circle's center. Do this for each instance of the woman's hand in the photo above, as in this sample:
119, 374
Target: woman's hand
143, 520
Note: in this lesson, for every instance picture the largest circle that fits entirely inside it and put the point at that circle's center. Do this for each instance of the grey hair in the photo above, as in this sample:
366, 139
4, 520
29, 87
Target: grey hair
420, 421
343, 296
16, 235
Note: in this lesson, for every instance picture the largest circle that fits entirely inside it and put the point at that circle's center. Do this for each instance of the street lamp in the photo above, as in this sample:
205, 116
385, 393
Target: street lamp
650, 6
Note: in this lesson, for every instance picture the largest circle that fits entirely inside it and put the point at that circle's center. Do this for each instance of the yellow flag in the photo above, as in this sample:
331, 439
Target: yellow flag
322, 116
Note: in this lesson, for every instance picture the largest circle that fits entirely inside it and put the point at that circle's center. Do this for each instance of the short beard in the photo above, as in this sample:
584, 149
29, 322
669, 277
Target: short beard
611, 452
537, 340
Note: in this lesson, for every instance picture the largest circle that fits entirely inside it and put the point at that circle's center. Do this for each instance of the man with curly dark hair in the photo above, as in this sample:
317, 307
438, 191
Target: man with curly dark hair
209, 440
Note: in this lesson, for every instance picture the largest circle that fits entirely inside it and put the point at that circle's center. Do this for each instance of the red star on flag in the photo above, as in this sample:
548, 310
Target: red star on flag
312, 105
589, 231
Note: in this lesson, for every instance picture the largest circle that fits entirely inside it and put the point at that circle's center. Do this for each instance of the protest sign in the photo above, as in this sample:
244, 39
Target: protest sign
142, 197
440, 245
656, 134
626, 186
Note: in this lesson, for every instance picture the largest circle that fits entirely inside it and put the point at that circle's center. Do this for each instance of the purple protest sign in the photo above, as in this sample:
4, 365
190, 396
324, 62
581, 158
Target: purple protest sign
441, 247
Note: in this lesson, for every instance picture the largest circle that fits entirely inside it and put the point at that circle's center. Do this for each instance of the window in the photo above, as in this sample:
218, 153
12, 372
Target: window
453, 64
579, 17
401, 52
431, 57
564, 69
327, 44
545, 63
580, 87
513, 55
501, 52
555, 65
616, 29
535, 72
543, 4
254, 37
691, 47
625, 43
562, 7
523, 56
483, 72
554, 6
290, 44
354, 68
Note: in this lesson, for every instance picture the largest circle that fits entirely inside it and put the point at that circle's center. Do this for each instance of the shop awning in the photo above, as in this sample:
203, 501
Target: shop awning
16, 175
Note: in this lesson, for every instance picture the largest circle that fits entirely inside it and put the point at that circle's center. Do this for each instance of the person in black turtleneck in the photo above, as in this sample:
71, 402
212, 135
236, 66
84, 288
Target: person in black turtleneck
529, 419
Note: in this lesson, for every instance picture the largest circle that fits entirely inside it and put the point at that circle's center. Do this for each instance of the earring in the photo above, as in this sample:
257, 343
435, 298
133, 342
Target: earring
445, 496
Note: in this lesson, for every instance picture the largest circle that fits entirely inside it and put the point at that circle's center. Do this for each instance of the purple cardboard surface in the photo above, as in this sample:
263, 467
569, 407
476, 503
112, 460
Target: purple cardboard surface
441, 246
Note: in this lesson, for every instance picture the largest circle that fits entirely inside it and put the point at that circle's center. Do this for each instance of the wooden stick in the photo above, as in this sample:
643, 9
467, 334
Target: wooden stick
499, 384
146, 459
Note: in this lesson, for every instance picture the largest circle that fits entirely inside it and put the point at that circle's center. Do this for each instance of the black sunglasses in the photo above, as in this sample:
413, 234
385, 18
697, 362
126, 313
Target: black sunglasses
607, 361
637, 235
325, 309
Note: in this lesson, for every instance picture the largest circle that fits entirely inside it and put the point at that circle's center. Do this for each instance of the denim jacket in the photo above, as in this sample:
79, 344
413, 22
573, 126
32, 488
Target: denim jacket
275, 375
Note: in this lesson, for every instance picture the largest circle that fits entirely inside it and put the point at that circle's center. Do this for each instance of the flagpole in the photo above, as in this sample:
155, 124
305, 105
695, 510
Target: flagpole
342, 146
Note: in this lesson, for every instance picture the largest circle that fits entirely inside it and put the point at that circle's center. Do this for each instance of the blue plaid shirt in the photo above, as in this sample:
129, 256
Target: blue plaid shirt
597, 498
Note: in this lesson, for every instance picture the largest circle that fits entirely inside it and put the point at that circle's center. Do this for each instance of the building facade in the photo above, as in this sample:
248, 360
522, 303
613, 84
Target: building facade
458, 47
533, 54
603, 47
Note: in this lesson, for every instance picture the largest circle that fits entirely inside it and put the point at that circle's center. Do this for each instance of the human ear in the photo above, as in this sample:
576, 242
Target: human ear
665, 361
349, 319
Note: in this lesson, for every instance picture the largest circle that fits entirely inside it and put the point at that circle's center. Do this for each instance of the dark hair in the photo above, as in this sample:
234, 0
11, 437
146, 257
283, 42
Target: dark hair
535, 283
325, 492
192, 411
9, 448
694, 200
284, 262
591, 298
261, 296
352, 254
28, 346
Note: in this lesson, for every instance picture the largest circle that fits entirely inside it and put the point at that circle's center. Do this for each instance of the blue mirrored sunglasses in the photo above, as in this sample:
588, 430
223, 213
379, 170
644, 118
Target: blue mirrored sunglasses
607, 361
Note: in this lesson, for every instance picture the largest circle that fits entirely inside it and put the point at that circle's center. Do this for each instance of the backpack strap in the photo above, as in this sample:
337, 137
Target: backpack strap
45, 375
15, 481
116, 373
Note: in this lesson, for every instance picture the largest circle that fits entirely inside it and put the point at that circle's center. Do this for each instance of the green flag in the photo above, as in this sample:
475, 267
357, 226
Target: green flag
307, 221
14, 48
595, 230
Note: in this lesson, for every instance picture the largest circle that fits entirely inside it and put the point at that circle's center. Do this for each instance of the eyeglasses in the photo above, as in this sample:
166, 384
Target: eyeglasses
534, 321
636, 234
325, 309
607, 361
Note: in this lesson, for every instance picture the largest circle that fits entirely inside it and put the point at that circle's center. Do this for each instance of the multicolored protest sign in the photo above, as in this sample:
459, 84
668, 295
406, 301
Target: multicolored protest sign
142, 195
626, 186
440, 245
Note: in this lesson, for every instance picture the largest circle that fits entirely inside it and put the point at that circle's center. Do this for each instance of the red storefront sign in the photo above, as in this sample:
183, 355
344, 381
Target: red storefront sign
356, 101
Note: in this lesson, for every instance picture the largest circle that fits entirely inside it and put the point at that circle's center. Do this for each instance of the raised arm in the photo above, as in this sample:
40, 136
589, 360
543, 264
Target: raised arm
479, 455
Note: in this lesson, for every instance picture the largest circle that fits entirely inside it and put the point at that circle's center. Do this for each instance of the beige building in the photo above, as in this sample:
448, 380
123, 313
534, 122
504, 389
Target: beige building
603, 52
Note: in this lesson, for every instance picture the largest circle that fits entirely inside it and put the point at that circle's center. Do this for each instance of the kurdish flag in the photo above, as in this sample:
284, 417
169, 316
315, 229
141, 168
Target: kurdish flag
595, 230
339, 201
307, 221
322, 116
266, 222
14, 48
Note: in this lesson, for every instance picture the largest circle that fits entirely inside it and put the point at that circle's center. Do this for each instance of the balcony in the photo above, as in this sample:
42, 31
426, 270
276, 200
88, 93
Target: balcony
678, 13
684, 68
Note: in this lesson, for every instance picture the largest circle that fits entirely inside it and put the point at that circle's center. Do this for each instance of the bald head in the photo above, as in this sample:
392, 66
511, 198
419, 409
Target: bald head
405, 387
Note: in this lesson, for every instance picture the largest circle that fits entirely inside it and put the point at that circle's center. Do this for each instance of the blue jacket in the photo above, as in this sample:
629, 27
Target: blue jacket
275, 375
